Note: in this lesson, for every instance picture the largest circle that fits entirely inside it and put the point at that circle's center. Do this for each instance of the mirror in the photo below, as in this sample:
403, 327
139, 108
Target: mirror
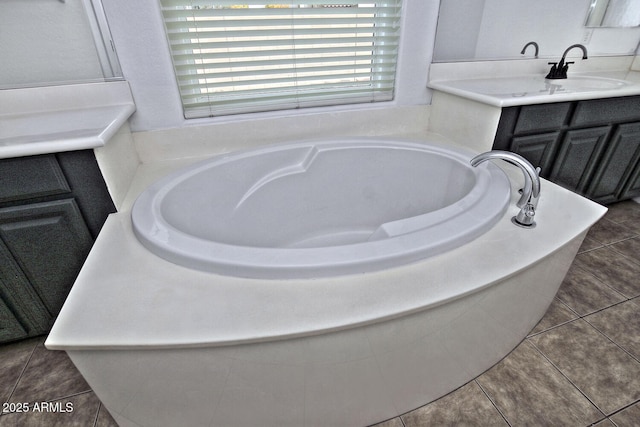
49, 42
613, 13
481, 30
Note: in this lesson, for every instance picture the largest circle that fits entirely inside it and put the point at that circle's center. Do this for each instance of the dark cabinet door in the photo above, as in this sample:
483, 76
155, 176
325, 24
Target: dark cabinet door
615, 174
23, 312
52, 207
632, 189
49, 241
591, 147
10, 328
538, 149
577, 157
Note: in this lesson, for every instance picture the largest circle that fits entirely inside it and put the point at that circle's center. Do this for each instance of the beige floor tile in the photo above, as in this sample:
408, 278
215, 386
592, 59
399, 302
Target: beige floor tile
613, 269
607, 375
528, 390
628, 417
584, 293
467, 406
621, 324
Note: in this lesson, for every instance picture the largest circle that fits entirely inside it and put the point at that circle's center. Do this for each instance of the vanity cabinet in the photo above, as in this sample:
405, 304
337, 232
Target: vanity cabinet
51, 209
590, 147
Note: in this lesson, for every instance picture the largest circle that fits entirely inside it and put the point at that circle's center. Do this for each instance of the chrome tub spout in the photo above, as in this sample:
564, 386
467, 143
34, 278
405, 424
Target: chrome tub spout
528, 202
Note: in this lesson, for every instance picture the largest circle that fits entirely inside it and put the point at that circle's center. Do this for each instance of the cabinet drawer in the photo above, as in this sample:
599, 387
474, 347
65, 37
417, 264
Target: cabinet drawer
605, 111
29, 177
543, 117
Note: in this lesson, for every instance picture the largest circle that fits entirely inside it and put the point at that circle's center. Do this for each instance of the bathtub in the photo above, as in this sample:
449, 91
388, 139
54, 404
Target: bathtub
320, 208
164, 342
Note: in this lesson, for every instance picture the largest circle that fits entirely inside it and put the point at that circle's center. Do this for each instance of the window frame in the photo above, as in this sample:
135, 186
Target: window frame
194, 77
147, 66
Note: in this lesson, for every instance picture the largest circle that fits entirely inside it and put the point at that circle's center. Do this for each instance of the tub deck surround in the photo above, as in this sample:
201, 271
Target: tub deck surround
97, 316
62, 118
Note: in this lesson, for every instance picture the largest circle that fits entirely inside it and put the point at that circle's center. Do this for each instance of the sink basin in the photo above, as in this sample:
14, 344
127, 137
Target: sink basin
533, 89
520, 86
587, 83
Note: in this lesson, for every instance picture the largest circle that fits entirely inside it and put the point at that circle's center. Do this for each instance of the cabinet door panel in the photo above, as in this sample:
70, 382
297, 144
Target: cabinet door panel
20, 297
50, 242
577, 156
24, 178
632, 189
617, 166
10, 328
538, 149
542, 118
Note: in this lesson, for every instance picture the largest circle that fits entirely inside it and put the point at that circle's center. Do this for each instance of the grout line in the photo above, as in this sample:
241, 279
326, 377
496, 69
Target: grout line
627, 299
475, 380
612, 341
604, 416
24, 368
608, 245
578, 317
95, 419
623, 408
69, 396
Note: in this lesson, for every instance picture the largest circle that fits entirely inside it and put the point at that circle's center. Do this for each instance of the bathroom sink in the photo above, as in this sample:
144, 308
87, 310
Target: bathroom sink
589, 83
518, 86
536, 89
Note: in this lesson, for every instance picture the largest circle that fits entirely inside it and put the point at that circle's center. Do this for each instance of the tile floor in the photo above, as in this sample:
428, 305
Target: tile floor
580, 366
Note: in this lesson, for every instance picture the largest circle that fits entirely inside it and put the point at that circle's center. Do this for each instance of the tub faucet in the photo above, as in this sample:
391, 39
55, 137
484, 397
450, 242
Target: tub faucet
559, 69
534, 44
528, 202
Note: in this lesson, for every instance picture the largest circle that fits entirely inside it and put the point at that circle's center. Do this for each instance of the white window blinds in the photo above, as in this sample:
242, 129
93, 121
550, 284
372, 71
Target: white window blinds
236, 56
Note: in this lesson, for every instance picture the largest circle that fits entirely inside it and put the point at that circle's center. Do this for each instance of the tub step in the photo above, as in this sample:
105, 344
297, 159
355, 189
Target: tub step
335, 238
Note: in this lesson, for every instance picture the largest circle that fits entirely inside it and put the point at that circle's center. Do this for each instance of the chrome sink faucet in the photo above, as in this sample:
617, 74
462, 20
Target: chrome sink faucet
528, 202
559, 69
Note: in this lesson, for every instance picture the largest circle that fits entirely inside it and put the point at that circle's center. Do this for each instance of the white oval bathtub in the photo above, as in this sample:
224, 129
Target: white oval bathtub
319, 209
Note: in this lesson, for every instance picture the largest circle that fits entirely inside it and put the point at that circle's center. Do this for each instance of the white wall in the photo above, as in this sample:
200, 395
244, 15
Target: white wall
45, 42
142, 48
554, 25
507, 25
458, 32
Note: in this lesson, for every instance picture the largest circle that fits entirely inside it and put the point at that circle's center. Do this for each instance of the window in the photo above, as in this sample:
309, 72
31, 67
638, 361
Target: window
259, 55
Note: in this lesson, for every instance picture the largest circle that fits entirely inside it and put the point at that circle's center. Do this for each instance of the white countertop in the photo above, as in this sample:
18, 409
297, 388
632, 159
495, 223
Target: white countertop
62, 118
535, 89
511, 83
